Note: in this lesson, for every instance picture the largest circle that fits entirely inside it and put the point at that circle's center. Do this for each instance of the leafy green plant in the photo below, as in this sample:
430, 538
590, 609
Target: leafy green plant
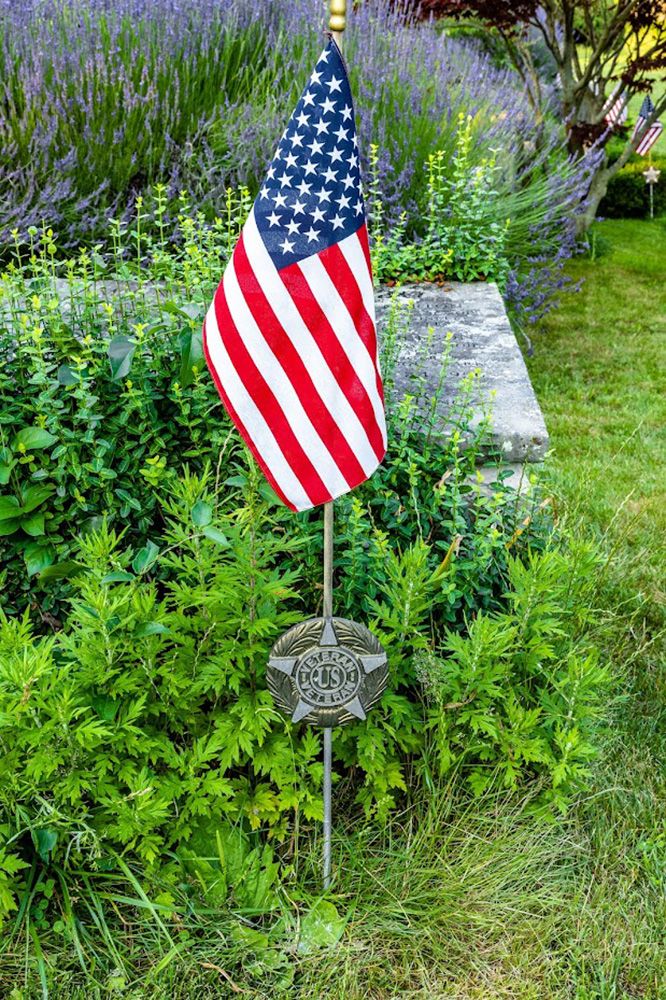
136, 724
103, 394
147, 720
463, 237
230, 869
520, 688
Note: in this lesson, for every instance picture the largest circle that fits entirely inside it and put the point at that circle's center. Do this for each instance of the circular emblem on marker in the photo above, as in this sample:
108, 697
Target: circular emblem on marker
327, 671
328, 676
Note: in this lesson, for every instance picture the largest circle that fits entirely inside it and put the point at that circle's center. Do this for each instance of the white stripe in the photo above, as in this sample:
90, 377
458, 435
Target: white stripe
276, 377
617, 113
353, 253
251, 417
337, 314
355, 256
296, 329
649, 139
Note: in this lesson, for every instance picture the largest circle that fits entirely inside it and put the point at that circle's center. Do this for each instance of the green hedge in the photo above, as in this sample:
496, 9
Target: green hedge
146, 569
628, 196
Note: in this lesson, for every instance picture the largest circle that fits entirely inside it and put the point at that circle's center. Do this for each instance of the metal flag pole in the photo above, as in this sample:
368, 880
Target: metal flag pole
652, 201
327, 612
336, 23
651, 176
327, 671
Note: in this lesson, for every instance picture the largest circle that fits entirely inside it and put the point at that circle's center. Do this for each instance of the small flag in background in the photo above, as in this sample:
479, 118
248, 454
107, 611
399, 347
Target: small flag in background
290, 336
648, 138
615, 112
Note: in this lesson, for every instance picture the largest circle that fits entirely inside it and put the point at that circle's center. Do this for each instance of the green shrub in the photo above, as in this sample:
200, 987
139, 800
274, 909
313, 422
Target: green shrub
103, 392
147, 721
104, 397
463, 236
138, 722
628, 196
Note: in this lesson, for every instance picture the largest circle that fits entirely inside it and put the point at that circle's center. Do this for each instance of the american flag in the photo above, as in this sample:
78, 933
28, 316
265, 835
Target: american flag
647, 139
615, 111
290, 335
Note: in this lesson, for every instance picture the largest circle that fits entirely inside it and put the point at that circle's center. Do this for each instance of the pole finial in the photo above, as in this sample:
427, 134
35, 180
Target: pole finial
338, 16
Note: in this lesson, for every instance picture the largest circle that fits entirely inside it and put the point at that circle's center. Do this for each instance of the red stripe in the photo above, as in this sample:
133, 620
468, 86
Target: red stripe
345, 281
295, 369
362, 234
264, 399
337, 360
241, 426
649, 139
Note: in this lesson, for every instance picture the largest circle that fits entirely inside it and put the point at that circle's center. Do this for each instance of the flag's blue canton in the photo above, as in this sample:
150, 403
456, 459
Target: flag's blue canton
647, 107
311, 197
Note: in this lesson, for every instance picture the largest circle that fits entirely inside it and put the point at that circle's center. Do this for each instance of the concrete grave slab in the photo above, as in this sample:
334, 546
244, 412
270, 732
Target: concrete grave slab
483, 340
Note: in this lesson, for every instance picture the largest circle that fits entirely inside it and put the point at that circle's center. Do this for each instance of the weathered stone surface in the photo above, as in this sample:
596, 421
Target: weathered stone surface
483, 340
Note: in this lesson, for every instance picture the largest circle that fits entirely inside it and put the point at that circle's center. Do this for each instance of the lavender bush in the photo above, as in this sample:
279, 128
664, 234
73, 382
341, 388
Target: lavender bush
101, 99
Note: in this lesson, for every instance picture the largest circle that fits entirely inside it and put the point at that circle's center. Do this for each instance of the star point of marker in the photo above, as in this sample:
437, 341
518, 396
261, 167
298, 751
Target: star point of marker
329, 639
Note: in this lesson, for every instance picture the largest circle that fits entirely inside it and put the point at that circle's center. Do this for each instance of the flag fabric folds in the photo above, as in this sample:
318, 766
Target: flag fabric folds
646, 137
615, 112
290, 336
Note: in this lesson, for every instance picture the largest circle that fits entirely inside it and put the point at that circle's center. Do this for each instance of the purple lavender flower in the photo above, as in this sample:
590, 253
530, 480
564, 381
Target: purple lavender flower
106, 97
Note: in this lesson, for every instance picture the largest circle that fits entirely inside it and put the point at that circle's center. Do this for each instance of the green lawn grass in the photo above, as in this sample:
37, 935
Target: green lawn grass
511, 907
482, 900
599, 370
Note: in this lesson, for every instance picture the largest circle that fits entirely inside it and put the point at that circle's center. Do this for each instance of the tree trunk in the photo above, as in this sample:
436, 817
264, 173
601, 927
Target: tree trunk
598, 188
